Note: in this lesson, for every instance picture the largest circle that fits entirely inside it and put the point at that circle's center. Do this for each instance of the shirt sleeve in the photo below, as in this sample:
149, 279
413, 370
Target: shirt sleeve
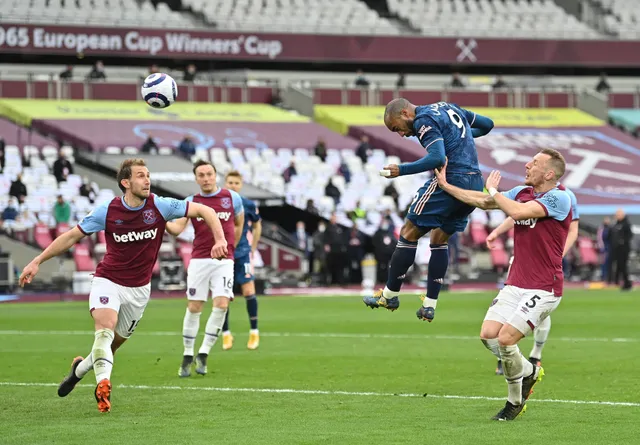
96, 220
171, 208
238, 206
575, 215
557, 204
427, 131
511, 194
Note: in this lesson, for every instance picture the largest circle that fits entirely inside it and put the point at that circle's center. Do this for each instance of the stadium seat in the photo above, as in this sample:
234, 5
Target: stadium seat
588, 252
132, 151
112, 150
42, 235
82, 258
166, 151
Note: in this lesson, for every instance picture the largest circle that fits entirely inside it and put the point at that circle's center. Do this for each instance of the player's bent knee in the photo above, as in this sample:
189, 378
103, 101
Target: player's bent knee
105, 319
490, 330
248, 289
438, 236
221, 302
195, 307
411, 232
509, 336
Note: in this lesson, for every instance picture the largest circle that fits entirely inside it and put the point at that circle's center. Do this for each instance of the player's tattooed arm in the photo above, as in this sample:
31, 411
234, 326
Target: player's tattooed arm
60, 245
177, 226
238, 225
210, 217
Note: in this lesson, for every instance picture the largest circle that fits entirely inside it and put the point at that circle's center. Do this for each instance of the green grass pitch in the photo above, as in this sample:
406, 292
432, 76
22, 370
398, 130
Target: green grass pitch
328, 371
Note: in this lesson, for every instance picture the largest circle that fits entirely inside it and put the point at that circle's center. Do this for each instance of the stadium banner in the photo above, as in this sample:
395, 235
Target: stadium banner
340, 117
178, 44
24, 110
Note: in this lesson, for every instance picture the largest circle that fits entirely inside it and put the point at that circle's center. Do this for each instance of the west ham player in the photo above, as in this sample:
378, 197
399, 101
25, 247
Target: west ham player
444, 130
243, 267
134, 225
541, 333
205, 273
542, 215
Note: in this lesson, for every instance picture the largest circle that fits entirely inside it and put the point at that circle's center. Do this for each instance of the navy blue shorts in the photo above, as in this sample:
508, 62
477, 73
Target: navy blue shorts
433, 208
243, 270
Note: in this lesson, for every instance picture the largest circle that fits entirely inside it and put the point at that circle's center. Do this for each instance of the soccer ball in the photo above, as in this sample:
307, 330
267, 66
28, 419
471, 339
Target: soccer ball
159, 90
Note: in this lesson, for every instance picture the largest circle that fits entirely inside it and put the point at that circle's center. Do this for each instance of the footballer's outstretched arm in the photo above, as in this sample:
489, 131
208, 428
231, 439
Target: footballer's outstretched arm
210, 217
238, 225
177, 226
471, 197
435, 158
480, 125
504, 227
60, 245
257, 233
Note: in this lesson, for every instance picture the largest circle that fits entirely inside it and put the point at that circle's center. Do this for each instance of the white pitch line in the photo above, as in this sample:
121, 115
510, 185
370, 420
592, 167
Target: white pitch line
329, 393
331, 335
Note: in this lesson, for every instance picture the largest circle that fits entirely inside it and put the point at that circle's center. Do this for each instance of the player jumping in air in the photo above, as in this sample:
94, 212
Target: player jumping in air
542, 215
541, 333
205, 273
445, 131
134, 225
247, 245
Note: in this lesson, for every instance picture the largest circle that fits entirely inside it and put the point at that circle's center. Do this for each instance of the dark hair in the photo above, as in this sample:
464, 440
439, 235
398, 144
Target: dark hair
557, 162
124, 172
235, 173
200, 163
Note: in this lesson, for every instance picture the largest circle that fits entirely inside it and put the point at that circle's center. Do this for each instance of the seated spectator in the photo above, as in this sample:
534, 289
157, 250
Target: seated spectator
187, 148
358, 212
344, 171
61, 211
456, 81
364, 149
190, 73
499, 83
332, 191
311, 207
9, 214
97, 72
390, 190
402, 81
18, 188
321, 149
361, 80
67, 74
149, 146
290, 172
87, 190
62, 168
603, 84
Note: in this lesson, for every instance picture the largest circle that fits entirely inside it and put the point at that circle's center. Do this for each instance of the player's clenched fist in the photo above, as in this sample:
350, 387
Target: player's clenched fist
28, 273
219, 249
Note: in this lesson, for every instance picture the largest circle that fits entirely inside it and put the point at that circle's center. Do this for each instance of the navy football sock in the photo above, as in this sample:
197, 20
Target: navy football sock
252, 310
401, 260
436, 270
225, 325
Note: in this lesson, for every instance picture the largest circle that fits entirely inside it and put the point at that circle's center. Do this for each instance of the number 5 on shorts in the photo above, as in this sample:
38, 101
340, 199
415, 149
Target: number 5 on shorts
532, 302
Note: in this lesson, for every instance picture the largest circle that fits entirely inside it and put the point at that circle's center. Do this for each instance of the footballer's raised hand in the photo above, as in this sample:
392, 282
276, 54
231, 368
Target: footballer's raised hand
29, 272
219, 250
493, 180
490, 239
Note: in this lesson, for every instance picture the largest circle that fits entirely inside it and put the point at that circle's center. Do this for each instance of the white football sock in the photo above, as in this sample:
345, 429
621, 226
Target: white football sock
512, 365
429, 302
527, 367
190, 327
540, 335
254, 331
85, 366
212, 329
492, 345
102, 355
386, 293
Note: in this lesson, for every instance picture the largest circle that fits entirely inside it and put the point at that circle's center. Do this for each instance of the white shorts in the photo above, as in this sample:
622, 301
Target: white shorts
524, 309
208, 274
128, 302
